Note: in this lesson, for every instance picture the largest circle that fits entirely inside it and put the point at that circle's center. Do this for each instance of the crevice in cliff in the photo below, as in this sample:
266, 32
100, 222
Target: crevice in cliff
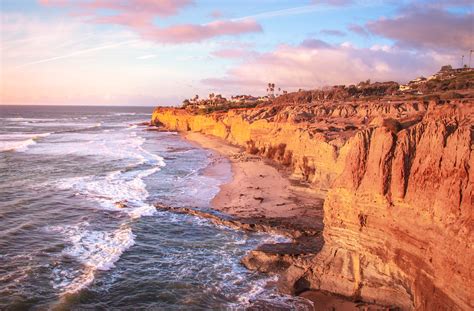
388, 168
362, 156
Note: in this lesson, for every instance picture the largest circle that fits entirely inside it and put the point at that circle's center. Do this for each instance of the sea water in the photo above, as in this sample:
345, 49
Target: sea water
78, 226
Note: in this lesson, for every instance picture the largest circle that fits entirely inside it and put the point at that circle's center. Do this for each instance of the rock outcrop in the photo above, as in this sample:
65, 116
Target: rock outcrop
398, 179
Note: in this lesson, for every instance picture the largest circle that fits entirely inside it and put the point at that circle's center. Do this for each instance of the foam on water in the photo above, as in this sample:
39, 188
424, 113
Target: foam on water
62, 124
117, 191
27, 119
94, 249
22, 135
19, 142
131, 114
19, 145
122, 191
117, 144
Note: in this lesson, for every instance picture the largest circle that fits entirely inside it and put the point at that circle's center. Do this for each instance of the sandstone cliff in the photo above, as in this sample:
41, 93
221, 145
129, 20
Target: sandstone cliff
398, 179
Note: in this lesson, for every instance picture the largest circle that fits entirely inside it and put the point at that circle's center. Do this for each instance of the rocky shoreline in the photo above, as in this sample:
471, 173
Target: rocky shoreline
276, 258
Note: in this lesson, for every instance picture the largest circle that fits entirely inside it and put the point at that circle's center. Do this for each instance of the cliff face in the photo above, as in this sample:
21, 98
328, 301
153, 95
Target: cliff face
398, 178
398, 220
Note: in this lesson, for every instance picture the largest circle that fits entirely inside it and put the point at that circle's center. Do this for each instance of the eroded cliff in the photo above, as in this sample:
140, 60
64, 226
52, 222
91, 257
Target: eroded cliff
398, 179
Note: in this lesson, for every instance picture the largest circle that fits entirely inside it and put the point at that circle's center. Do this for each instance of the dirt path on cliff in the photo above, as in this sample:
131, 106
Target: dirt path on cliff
260, 190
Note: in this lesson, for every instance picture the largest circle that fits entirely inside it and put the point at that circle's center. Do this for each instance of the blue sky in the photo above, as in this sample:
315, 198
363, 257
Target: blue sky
151, 52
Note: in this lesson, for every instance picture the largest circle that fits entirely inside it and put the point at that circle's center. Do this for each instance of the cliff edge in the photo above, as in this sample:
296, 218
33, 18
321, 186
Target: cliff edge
398, 184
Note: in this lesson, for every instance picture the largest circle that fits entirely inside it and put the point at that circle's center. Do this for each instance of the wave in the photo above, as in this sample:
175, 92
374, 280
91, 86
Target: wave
130, 114
22, 135
81, 126
10, 142
18, 146
121, 145
94, 249
28, 119
118, 191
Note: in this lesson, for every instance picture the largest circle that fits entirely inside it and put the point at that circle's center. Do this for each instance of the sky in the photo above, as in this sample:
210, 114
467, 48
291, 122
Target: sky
159, 52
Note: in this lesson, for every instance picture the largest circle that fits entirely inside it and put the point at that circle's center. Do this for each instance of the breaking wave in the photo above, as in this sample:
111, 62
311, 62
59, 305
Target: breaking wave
94, 249
19, 142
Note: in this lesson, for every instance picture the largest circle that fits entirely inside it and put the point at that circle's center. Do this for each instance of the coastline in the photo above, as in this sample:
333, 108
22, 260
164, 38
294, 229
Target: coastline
261, 197
259, 190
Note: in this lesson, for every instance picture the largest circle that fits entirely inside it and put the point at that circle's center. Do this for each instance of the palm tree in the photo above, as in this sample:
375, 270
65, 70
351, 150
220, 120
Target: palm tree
271, 89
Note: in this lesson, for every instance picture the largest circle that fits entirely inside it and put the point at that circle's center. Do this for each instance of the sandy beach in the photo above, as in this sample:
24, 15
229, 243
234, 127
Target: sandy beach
259, 190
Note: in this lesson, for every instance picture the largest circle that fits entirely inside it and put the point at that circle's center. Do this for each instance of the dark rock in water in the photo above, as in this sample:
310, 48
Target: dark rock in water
279, 303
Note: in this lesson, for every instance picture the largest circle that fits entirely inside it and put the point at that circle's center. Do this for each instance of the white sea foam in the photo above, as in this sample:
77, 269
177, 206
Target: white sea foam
22, 135
122, 190
130, 114
14, 119
28, 119
18, 145
17, 142
52, 123
114, 145
95, 249
117, 191
100, 249
125, 113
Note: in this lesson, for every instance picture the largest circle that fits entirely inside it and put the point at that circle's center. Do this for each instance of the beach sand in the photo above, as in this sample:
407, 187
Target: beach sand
259, 190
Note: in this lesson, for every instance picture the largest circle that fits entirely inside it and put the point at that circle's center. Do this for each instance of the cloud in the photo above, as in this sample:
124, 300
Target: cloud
433, 29
196, 33
444, 3
138, 15
332, 32
314, 65
358, 29
315, 44
152, 7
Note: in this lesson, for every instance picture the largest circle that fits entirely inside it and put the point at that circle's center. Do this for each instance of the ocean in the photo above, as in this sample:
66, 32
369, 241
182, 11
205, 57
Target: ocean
78, 229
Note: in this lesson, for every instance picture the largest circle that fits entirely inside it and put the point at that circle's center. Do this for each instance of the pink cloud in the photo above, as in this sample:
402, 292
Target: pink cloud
54, 2
196, 33
315, 44
307, 66
358, 29
153, 7
139, 14
136, 20
423, 28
